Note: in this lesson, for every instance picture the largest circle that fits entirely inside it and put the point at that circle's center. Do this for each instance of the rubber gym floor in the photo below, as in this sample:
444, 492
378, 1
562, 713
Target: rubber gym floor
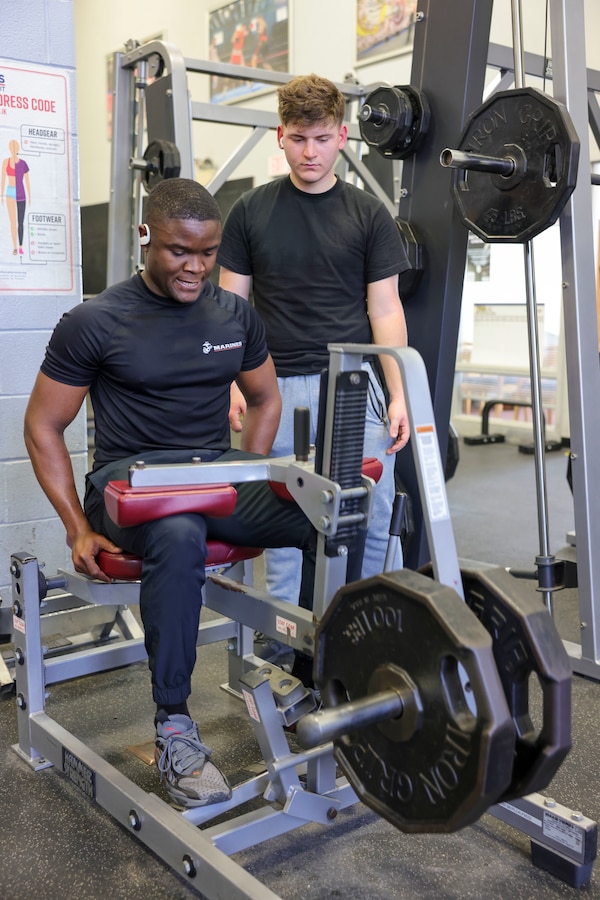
54, 843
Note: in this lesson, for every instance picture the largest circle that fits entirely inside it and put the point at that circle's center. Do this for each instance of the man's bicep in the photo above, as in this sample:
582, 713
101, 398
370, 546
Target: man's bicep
53, 404
383, 297
233, 281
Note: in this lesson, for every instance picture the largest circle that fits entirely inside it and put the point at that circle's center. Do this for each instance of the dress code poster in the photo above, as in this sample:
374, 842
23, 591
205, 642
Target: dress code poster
36, 212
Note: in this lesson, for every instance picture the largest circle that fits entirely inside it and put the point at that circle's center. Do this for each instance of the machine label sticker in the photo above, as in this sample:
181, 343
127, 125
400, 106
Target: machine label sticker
284, 626
81, 775
433, 479
564, 832
251, 706
18, 624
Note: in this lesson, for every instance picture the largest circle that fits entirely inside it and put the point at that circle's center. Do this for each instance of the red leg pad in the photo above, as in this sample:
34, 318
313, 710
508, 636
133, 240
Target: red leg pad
133, 506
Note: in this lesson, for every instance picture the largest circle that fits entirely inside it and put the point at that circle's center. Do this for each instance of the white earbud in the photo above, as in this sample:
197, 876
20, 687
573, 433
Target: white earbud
145, 238
281, 143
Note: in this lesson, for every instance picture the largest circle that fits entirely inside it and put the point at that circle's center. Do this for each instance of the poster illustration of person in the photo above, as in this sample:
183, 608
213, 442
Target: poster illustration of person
16, 193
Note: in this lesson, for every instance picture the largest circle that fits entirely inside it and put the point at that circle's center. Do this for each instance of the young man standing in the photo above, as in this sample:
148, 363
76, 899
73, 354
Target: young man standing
322, 259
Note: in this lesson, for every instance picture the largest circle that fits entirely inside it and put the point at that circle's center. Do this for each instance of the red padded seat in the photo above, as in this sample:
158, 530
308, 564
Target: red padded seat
127, 567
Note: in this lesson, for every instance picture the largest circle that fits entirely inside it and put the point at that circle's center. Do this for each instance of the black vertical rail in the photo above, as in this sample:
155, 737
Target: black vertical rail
448, 65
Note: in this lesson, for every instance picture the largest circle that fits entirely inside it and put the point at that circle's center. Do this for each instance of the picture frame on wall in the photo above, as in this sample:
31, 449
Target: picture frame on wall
252, 33
384, 28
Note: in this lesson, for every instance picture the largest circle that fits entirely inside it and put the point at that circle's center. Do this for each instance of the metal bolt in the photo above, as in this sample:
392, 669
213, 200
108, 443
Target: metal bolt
326, 497
419, 16
577, 816
332, 813
21, 702
196, 459
19, 656
572, 455
140, 464
324, 523
583, 625
549, 802
342, 550
134, 820
354, 378
15, 570
188, 866
17, 610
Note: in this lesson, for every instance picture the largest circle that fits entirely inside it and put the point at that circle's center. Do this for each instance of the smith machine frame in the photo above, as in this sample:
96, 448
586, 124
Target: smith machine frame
433, 313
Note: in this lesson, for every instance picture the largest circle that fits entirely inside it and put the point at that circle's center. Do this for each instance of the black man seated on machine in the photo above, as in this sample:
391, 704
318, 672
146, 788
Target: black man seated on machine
158, 354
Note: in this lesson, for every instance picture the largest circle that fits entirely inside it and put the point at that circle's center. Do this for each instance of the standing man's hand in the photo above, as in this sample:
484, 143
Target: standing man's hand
399, 427
237, 408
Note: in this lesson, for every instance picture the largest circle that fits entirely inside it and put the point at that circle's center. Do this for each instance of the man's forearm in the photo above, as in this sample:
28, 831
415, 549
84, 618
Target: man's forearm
54, 471
391, 335
260, 428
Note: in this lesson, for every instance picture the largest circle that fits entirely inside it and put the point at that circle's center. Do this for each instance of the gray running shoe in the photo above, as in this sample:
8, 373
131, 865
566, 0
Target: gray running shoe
273, 651
184, 762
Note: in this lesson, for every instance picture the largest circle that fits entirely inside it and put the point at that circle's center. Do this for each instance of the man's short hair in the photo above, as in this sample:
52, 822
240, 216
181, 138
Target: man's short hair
180, 198
308, 99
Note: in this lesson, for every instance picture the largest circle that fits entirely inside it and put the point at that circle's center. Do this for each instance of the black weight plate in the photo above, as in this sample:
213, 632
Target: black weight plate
537, 131
164, 161
400, 121
448, 769
420, 121
389, 135
526, 644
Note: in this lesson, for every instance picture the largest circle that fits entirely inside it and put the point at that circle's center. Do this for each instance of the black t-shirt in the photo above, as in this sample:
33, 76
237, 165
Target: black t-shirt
159, 371
311, 257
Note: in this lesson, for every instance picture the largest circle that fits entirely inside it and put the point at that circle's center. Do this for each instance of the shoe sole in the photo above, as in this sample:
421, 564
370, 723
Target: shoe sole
186, 802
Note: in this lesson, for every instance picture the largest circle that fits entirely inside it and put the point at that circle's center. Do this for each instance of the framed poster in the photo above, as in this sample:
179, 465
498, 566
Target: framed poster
36, 217
384, 28
253, 33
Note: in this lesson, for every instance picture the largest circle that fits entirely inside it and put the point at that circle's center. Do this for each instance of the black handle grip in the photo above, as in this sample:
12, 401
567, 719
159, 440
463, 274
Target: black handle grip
301, 433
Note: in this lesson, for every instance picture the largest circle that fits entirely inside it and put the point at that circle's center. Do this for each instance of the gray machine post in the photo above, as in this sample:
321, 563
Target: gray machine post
581, 334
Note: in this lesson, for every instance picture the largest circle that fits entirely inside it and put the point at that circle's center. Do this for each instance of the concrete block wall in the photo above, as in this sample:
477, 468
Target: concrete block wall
27, 521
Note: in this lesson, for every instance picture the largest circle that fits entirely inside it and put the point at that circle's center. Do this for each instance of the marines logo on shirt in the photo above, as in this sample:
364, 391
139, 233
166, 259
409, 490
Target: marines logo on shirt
207, 347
